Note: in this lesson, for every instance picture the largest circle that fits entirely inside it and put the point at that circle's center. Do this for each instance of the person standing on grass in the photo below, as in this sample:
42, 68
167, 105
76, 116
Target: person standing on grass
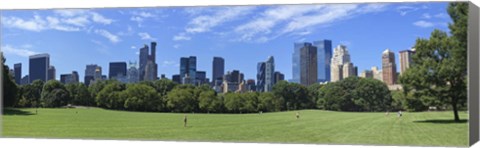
298, 115
185, 121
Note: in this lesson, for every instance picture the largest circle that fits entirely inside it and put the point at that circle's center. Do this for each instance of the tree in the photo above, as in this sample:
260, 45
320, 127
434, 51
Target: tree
110, 96
269, 103
209, 102
440, 66
372, 95
182, 99
295, 96
80, 94
233, 102
141, 97
10, 88
54, 94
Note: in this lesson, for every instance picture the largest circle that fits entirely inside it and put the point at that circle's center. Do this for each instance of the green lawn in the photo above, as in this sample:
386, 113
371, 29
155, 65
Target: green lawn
320, 127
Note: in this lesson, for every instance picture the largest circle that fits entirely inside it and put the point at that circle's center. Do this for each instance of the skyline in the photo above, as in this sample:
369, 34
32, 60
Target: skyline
205, 35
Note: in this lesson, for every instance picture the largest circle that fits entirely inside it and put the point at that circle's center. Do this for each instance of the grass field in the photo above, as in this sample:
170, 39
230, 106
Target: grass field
314, 126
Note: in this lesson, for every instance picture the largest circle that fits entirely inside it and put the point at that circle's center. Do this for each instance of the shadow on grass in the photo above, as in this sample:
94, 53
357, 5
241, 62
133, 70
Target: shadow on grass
12, 111
442, 121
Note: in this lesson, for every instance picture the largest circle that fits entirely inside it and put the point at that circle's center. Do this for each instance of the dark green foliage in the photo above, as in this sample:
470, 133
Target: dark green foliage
440, 64
267, 102
80, 94
295, 96
54, 94
355, 94
209, 102
10, 88
110, 96
141, 97
182, 99
30, 94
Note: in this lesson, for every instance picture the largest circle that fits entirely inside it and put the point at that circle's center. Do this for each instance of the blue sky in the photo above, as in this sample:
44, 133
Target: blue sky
242, 35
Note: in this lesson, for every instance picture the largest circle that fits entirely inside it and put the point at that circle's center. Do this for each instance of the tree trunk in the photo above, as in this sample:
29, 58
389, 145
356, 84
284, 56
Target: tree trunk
455, 110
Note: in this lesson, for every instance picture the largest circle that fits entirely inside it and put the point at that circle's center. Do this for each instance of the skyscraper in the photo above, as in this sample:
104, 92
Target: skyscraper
296, 61
308, 65
341, 66
201, 77
324, 55
218, 70
143, 61
269, 73
389, 68
117, 69
278, 77
406, 59
69, 78
188, 66
90, 73
38, 67
176, 78
17, 68
51, 73
148, 68
132, 74
261, 77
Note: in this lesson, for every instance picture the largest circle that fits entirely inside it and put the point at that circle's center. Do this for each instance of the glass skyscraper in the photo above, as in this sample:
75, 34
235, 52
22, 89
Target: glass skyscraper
117, 69
188, 66
18, 73
324, 55
218, 70
38, 67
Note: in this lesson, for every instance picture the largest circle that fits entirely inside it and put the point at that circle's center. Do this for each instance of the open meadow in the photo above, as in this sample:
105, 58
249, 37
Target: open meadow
313, 126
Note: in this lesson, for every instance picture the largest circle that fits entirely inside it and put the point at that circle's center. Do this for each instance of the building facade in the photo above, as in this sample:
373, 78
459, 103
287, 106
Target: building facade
117, 70
341, 66
324, 55
38, 67
308, 65
188, 67
406, 59
218, 70
17, 69
389, 68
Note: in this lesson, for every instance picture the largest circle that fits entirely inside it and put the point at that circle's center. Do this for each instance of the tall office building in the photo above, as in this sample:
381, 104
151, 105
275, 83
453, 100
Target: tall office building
269, 73
17, 68
266, 75
148, 68
117, 70
261, 77
38, 67
201, 77
90, 74
377, 74
177, 79
308, 65
406, 59
69, 78
324, 55
389, 68
278, 77
51, 73
296, 61
341, 66
218, 70
188, 67
132, 74
75, 77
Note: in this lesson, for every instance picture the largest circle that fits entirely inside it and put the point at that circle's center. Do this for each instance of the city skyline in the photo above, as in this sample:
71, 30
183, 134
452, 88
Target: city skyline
120, 42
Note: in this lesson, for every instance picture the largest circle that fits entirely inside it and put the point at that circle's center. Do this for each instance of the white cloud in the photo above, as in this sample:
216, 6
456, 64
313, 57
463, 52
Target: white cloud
176, 46
426, 16
168, 63
423, 24
404, 10
145, 36
204, 23
181, 36
62, 20
100, 18
133, 47
441, 15
290, 19
23, 51
113, 38
37, 24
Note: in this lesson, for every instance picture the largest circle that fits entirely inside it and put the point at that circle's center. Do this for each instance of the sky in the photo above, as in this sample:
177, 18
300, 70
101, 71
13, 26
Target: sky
242, 35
